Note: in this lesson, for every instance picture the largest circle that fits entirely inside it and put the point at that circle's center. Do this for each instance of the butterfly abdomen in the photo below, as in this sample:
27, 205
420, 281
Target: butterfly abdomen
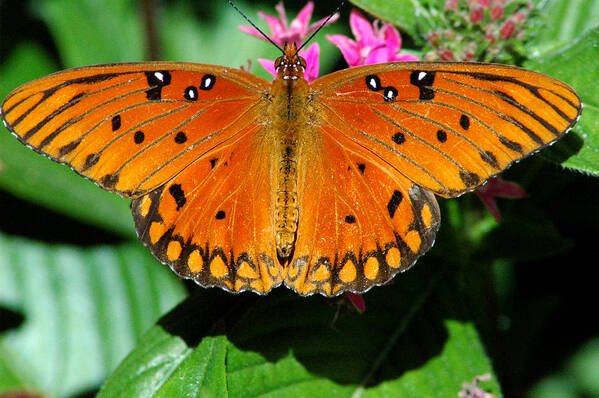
288, 119
286, 211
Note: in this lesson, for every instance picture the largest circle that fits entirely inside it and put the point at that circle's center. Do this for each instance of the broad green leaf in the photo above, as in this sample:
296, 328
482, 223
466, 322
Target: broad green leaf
35, 178
563, 22
83, 310
578, 65
90, 32
416, 339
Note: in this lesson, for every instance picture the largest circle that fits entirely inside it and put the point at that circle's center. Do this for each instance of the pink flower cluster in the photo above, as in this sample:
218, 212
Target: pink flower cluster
374, 43
482, 30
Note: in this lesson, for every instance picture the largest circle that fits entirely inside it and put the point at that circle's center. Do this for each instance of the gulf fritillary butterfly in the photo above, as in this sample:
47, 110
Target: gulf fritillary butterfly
326, 187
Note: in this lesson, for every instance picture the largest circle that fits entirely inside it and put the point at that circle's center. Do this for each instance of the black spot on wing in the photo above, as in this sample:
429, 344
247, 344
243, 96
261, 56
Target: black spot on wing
465, 122
109, 180
139, 137
208, 81
191, 93
469, 179
220, 215
91, 160
177, 193
373, 82
398, 138
513, 145
424, 81
394, 202
68, 148
441, 135
489, 158
116, 122
157, 80
180, 138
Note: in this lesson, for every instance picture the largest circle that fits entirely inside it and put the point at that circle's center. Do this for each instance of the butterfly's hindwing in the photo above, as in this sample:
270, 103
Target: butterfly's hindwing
212, 223
360, 221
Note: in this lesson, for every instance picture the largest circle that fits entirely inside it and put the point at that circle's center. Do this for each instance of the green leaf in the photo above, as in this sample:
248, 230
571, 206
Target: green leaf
416, 339
564, 21
82, 309
32, 177
90, 32
577, 65
403, 13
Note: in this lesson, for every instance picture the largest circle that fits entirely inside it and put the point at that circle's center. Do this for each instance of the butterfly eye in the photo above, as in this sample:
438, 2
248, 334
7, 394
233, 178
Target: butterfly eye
301, 62
279, 62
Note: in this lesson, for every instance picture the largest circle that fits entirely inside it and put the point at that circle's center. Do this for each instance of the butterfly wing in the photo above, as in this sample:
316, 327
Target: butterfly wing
179, 139
360, 220
132, 127
447, 126
213, 221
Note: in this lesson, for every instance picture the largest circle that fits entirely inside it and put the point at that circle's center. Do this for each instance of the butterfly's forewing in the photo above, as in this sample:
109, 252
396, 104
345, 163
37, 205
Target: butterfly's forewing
213, 221
131, 127
360, 221
447, 126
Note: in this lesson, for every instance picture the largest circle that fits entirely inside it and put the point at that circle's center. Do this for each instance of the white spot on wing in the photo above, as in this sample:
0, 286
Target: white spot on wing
422, 75
159, 76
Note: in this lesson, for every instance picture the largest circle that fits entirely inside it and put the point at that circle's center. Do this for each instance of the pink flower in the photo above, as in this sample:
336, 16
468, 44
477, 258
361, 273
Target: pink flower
311, 55
357, 300
508, 29
473, 390
282, 32
477, 13
497, 12
374, 44
296, 32
451, 5
496, 187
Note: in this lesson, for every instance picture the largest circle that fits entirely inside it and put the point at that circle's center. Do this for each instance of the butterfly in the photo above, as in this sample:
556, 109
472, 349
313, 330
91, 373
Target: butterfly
327, 187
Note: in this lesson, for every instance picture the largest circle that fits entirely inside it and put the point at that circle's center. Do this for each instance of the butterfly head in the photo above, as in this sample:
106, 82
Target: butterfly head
290, 66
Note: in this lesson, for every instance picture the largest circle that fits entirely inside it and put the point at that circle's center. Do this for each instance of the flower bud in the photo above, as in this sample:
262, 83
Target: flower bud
477, 14
507, 29
497, 12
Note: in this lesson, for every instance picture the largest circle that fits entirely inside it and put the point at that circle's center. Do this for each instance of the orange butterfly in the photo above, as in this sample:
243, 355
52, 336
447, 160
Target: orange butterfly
326, 187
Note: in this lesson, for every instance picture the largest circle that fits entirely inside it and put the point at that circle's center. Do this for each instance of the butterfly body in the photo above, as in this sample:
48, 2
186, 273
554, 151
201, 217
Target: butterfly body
290, 125
326, 187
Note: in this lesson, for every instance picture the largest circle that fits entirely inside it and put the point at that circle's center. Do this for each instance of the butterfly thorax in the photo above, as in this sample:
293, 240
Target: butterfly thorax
289, 96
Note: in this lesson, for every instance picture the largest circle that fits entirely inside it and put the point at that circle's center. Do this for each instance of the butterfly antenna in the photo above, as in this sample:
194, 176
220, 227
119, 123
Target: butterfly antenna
254, 26
321, 26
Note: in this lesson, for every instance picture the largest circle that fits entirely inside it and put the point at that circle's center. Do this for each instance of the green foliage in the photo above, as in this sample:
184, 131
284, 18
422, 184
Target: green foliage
82, 310
579, 152
69, 314
414, 340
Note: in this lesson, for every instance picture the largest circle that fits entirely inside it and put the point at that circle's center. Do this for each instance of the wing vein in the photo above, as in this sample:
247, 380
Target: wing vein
415, 164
